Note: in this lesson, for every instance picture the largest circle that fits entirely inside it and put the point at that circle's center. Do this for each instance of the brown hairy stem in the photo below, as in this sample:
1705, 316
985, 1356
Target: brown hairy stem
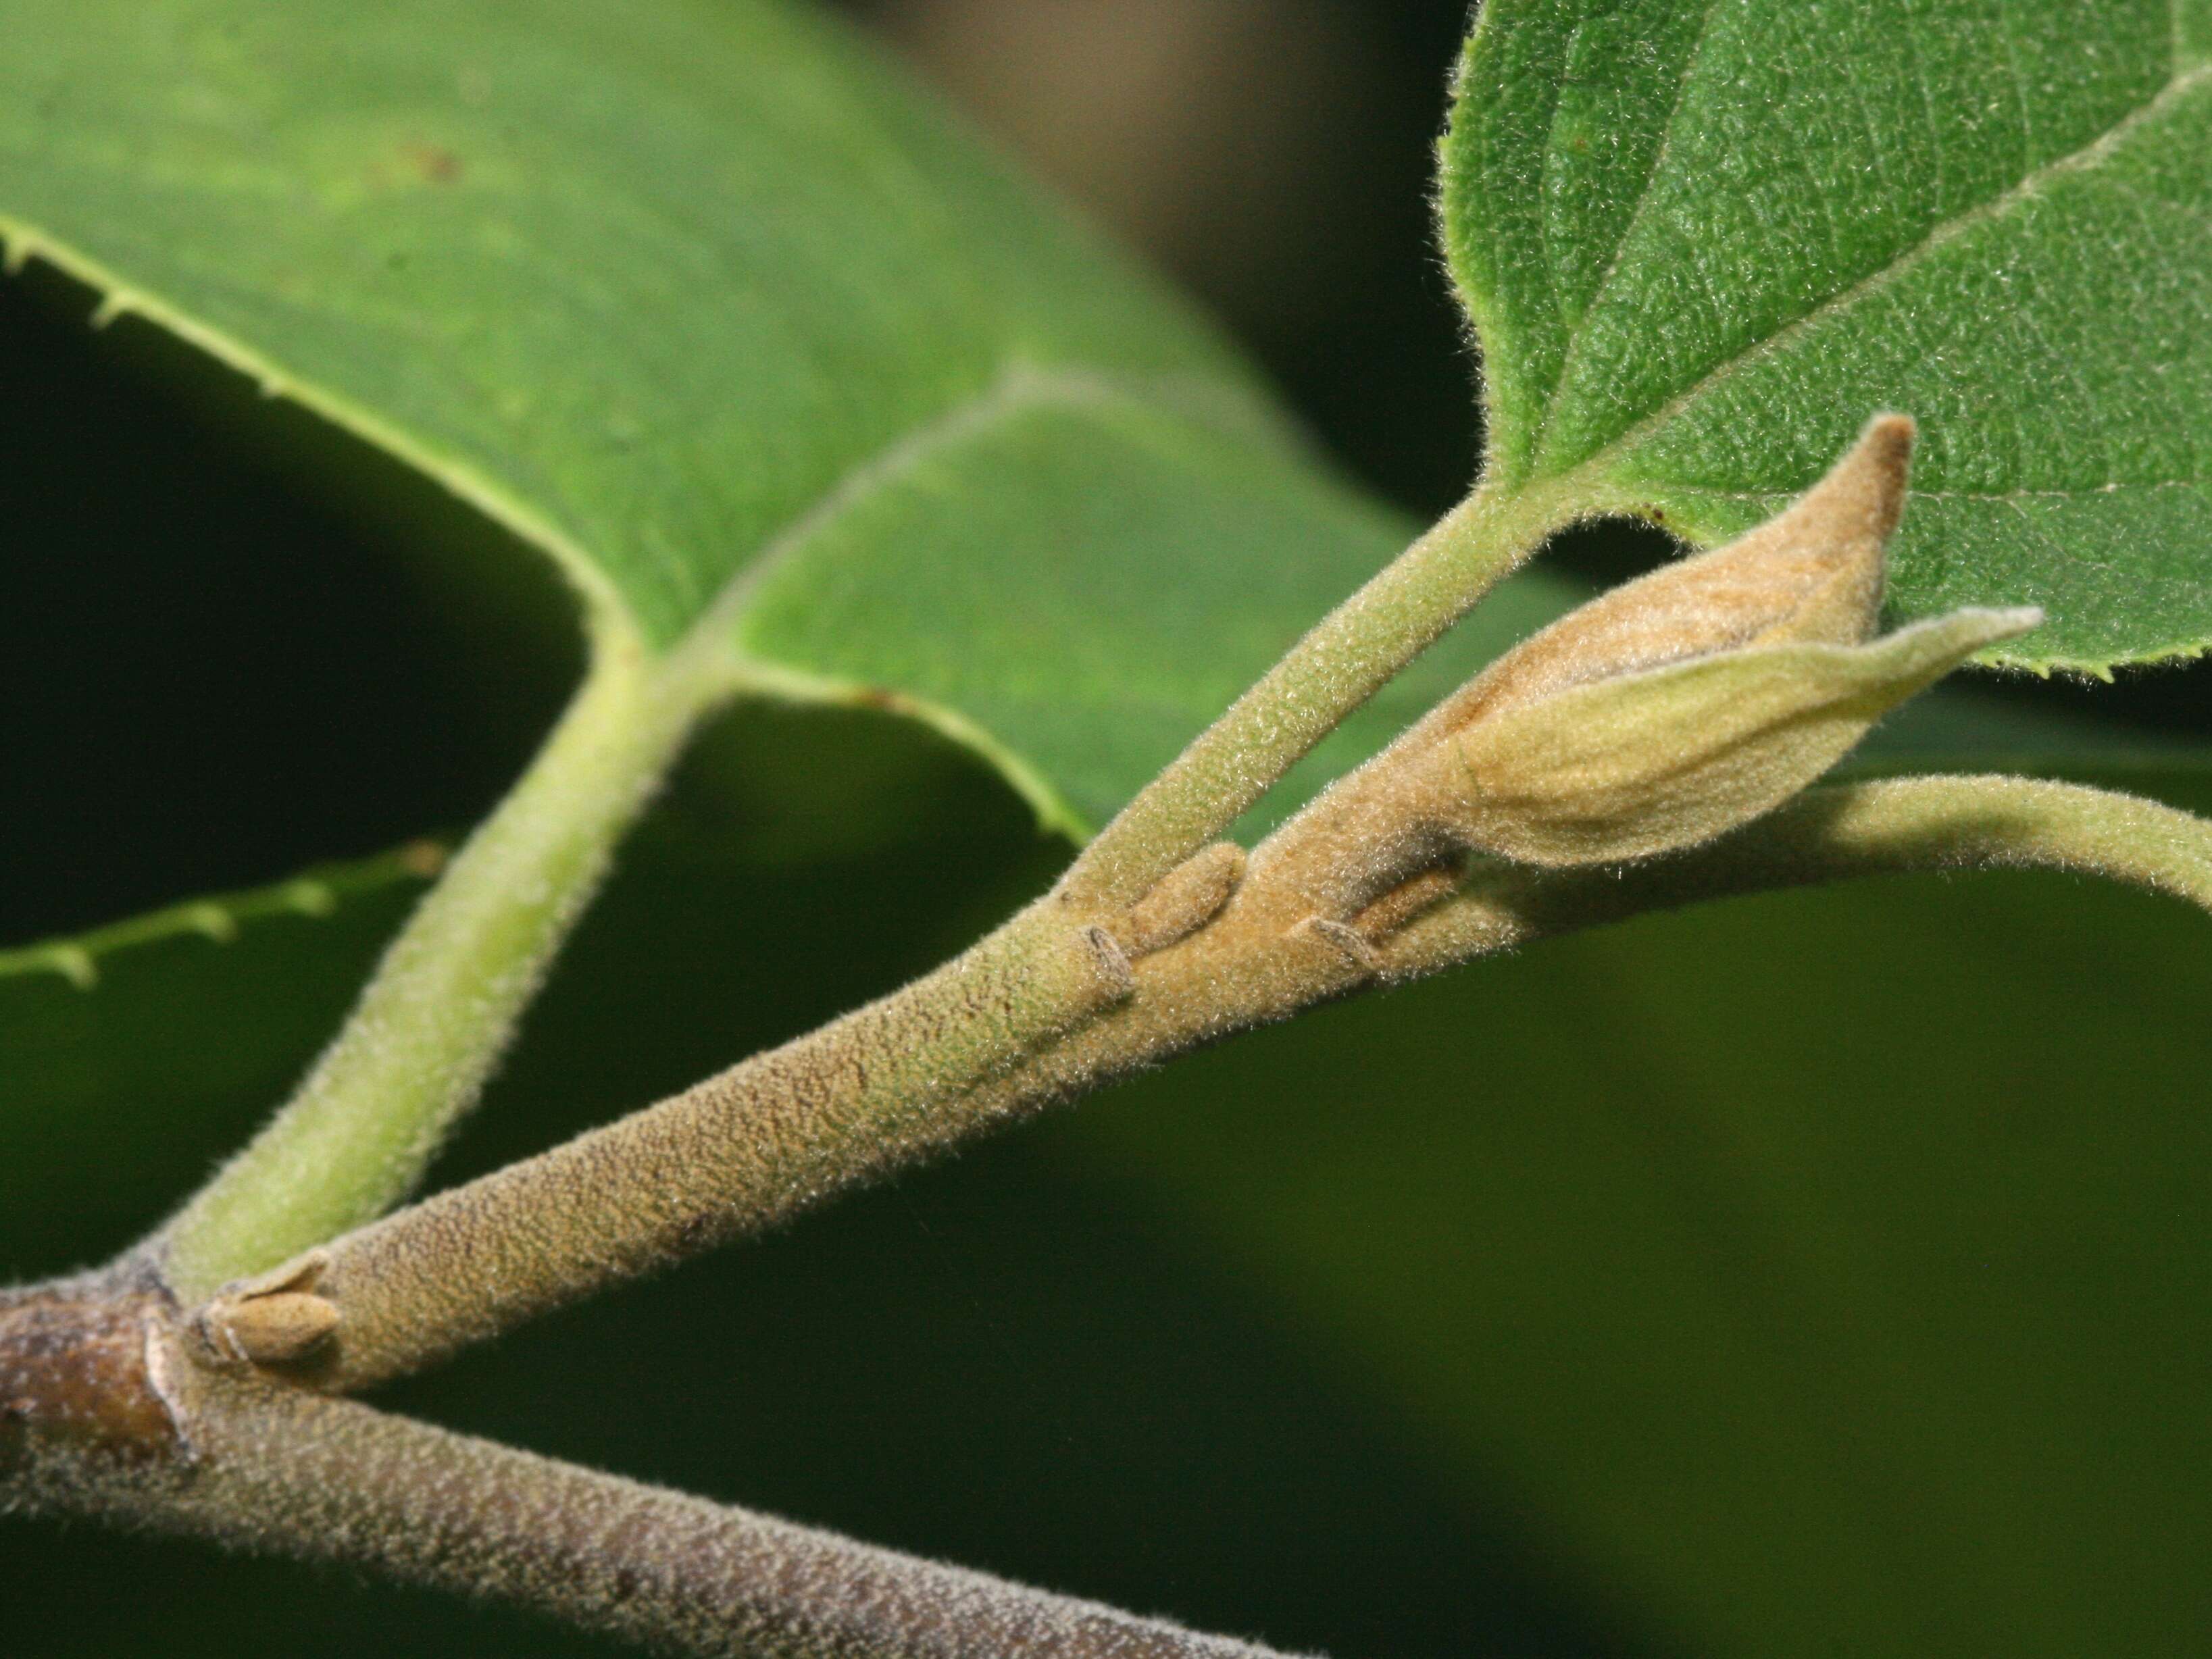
1256, 965
1893, 826
77, 1382
1642, 753
1658, 718
307, 1474
110, 1414
115, 1403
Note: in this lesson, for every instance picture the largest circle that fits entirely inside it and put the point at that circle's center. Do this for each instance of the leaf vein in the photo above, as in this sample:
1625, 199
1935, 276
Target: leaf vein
2088, 156
1017, 390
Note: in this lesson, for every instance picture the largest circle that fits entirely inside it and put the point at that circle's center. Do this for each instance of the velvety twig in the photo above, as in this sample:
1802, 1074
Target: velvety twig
741, 1152
150, 1435
335, 1479
1652, 720
1241, 973
1894, 826
486, 1255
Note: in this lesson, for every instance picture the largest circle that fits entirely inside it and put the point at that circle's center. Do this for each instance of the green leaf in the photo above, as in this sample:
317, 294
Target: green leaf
709, 305
1828, 1284
1702, 241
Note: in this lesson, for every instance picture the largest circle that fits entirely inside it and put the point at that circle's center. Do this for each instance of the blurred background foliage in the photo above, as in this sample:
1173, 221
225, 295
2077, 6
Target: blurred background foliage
1777, 1278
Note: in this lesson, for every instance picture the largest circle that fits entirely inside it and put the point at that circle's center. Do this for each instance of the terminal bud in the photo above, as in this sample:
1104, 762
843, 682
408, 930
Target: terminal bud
1662, 714
1626, 767
1813, 573
1679, 706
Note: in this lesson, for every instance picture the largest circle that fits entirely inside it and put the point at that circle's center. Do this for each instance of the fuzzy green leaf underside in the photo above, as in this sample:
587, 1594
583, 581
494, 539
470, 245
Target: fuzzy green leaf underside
706, 302
1703, 239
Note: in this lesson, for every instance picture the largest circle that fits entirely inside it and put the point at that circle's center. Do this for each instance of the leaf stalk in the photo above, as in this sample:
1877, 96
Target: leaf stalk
426, 1032
1342, 662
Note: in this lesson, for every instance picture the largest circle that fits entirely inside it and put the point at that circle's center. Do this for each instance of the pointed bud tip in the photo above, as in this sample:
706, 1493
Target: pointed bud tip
1814, 572
1863, 497
1889, 438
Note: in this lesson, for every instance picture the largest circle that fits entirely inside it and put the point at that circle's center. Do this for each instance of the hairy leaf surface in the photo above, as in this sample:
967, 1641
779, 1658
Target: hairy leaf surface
1702, 241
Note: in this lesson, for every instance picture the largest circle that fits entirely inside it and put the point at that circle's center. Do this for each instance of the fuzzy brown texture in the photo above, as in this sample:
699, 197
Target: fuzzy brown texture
1373, 882
307, 1475
100, 1376
1813, 573
112, 1414
1186, 899
76, 1383
1400, 905
1250, 969
115, 1403
742, 1151
1843, 832
1624, 769
112, 1403
271, 1320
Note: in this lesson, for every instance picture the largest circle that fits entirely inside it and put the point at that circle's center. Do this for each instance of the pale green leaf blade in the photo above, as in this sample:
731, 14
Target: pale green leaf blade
1702, 240
1072, 575
680, 292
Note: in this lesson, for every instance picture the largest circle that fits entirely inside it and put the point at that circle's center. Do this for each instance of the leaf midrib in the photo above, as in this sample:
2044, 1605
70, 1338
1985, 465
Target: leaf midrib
1018, 388
2088, 155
